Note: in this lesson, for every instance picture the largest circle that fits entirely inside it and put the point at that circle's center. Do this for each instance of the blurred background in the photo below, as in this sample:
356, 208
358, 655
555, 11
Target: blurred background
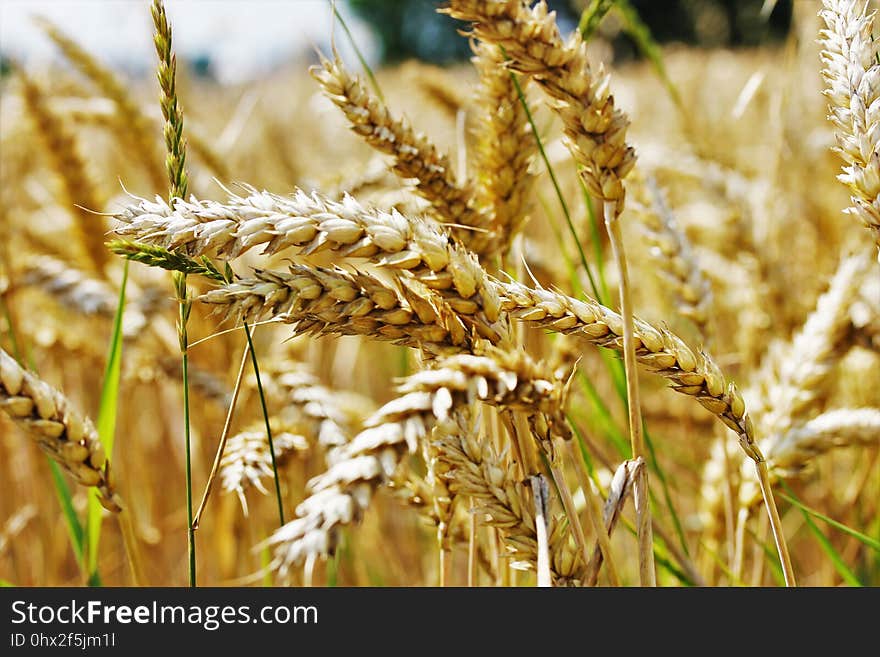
220, 40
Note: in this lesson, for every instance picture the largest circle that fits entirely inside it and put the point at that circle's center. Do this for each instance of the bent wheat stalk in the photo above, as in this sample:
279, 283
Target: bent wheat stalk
69, 438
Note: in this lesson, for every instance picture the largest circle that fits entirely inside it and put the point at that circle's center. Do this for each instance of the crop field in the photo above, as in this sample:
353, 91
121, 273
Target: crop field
537, 319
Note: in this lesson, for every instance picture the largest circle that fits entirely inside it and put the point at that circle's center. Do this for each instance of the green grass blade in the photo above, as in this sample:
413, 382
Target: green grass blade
602, 414
357, 52
664, 484
598, 251
106, 421
614, 364
333, 570
839, 565
575, 283
862, 538
582, 446
65, 499
648, 46
553, 179
265, 562
592, 16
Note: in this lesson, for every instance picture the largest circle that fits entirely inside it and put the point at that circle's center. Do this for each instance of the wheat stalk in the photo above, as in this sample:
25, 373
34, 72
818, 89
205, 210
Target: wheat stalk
622, 485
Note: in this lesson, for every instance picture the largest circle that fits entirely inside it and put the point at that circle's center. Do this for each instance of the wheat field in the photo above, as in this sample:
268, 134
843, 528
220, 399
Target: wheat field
534, 319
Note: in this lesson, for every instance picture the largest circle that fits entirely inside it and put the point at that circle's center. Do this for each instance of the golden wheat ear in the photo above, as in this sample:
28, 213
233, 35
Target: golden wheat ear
49, 418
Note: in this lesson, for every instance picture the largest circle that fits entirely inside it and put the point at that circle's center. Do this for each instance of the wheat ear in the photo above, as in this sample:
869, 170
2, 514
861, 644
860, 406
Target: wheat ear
474, 468
332, 301
247, 460
166, 73
65, 435
415, 157
505, 149
793, 377
674, 258
342, 494
852, 73
312, 224
80, 292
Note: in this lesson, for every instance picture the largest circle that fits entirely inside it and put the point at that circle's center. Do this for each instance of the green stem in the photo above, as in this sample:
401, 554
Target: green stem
191, 535
556, 187
358, 53
247, 333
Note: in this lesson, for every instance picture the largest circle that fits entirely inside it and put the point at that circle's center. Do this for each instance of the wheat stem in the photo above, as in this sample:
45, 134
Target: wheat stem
775, 523
647, 573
